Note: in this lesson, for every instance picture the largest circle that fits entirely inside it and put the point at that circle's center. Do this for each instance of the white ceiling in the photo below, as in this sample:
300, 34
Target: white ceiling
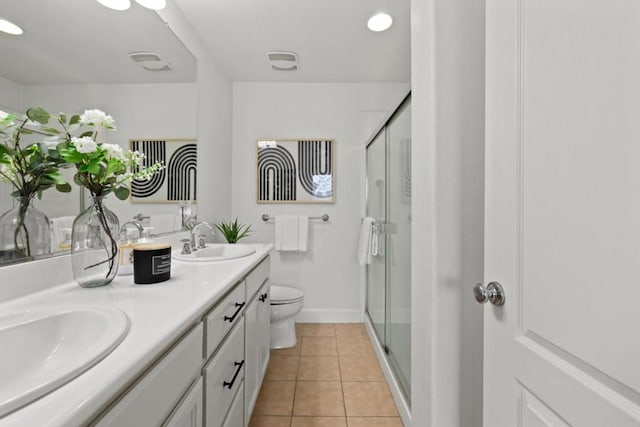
330, 37
81, 41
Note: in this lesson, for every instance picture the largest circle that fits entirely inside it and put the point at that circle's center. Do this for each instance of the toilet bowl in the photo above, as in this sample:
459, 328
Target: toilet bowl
286, 302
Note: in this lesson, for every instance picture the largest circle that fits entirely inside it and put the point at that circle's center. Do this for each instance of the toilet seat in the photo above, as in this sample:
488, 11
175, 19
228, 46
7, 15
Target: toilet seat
285, 295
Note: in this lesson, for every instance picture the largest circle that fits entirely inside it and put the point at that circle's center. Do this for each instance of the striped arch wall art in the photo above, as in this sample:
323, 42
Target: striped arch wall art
295, 171
177, 181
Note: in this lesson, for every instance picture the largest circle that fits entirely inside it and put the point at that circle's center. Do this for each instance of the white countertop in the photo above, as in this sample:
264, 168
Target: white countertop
159, 314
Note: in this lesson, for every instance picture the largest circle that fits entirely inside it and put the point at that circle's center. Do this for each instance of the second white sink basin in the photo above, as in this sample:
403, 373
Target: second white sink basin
216, 252
41, 350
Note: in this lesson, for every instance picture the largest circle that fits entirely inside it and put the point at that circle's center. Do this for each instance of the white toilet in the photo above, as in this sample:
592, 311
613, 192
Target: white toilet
286, 302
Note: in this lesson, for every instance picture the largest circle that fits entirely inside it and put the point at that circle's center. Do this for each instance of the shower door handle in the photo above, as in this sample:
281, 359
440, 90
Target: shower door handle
494, 293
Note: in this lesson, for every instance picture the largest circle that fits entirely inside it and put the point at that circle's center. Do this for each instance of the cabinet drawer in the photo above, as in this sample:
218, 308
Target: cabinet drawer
236, 412
222, 318
256, 278
223, 376
151, 400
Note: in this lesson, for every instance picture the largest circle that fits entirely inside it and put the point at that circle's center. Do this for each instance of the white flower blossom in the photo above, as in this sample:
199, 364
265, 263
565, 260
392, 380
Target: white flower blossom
97, 118
114, 151
135, 158
84, 144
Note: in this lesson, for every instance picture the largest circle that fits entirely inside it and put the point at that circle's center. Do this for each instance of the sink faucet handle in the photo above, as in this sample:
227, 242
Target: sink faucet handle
201, 244
186, 247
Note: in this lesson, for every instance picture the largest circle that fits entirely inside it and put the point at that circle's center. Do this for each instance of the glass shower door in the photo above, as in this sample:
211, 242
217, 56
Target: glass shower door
376, 207
398, 253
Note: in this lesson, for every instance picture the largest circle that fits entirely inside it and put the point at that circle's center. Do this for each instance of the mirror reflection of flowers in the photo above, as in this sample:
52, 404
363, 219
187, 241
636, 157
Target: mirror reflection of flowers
31, 168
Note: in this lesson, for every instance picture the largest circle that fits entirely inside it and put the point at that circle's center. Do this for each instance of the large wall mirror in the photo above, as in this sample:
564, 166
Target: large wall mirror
73, 56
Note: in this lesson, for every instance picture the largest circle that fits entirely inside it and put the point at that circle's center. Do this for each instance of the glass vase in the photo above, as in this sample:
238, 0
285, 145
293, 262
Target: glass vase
24, 231
94, 248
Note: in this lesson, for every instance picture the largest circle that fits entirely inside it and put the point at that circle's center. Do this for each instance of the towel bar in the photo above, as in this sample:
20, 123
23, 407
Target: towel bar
324, 218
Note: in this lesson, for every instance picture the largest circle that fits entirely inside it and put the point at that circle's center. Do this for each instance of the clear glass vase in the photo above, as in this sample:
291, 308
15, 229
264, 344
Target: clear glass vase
24, 231
94, 248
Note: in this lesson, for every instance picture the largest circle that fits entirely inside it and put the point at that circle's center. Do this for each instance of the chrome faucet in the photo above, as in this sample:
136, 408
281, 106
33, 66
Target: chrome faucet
193, 234
123, 229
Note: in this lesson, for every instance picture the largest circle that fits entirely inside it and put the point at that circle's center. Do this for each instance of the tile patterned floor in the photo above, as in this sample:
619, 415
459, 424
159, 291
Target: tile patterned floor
331, 378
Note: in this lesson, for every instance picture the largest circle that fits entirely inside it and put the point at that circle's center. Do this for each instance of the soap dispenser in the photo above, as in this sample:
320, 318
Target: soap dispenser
128, 239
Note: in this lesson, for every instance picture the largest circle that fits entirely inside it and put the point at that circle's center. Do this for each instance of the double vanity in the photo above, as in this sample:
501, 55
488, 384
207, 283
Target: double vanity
191, 351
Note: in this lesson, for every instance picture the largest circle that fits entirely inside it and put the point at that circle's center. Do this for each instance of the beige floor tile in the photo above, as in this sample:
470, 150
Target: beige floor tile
360, 369
315, 398
318, 330
368, 399
317, 346
351, 330
275, 398
269, 421
319, 368
282, 368
318, 422
291, 351
374, 422
299, 328
354, 347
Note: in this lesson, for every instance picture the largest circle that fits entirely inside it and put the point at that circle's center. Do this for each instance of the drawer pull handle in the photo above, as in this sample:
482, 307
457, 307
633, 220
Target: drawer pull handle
232, 318
229, 384
263, 297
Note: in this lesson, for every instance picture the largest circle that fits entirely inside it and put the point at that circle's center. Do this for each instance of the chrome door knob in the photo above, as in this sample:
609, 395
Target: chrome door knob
494, 293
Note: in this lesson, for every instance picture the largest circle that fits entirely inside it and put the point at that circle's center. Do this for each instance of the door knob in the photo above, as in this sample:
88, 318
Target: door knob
494, 293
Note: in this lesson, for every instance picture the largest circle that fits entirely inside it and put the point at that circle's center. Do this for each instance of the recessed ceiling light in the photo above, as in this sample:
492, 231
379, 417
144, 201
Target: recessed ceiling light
152, 4
10, 28
380, 22
116, 4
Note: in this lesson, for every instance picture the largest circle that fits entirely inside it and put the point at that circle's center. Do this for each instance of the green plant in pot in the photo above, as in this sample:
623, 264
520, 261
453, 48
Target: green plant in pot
102, 169
233, 231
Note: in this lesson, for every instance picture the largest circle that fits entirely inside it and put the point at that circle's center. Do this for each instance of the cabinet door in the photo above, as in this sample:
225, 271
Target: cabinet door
223, 375
189, 412
236, 412
264, 326
252, 361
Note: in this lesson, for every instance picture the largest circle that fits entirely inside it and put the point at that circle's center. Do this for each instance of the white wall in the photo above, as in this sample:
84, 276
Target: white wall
448, 154
11, 95
213, 121
140, 111
328, 273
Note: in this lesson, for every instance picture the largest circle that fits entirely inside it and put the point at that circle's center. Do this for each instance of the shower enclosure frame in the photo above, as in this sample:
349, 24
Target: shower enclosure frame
400, 387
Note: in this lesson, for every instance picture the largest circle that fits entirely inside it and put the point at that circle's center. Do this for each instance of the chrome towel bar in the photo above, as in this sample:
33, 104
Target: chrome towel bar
324, 218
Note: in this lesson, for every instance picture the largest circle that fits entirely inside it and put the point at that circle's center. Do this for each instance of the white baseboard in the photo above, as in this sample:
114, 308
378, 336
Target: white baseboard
394, 386
328, 316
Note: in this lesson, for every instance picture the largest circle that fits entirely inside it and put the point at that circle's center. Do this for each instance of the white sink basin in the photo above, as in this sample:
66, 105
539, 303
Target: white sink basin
42, 349
216, 252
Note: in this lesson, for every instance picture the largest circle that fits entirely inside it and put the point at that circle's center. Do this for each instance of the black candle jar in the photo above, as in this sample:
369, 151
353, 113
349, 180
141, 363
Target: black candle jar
151, 263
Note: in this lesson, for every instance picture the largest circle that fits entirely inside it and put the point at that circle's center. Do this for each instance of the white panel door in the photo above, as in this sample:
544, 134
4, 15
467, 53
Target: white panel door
563, 213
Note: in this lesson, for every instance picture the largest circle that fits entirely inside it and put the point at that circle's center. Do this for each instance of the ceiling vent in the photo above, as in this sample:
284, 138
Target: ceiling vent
283, 61
150, 61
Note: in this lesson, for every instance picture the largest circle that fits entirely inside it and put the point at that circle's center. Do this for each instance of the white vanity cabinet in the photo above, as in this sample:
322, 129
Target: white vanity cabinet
257, 342
212, 375
152, 398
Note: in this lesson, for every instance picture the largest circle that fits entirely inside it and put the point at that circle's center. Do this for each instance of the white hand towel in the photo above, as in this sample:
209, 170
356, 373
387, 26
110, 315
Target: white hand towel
303, 233
287, 229
366, 240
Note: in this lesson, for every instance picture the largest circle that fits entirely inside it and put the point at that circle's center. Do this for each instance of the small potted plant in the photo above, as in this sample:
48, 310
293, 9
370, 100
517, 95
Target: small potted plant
233, 231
